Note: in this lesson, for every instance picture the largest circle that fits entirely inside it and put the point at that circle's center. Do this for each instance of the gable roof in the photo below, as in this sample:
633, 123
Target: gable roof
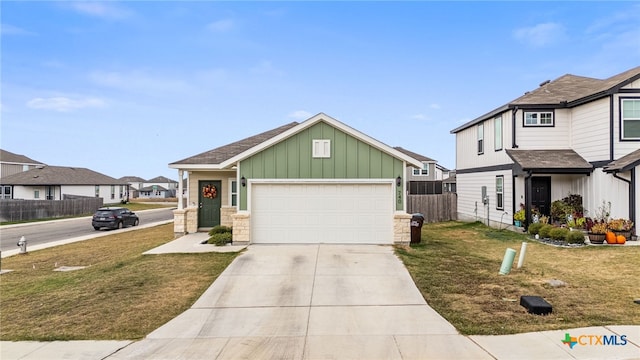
225, 157
625, 163
414, 155
561, 161
152, 188
132, 179
161, 179
60, 175
222, 153
564, 92
9, 157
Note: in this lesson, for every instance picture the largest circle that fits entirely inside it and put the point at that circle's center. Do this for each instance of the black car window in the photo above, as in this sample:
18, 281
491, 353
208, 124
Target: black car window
103, 213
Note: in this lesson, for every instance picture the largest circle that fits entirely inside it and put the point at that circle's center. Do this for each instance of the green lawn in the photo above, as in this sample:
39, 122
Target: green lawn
456, 268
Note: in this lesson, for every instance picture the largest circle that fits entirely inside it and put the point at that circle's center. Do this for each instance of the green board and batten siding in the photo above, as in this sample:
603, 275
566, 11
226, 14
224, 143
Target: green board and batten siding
350, 159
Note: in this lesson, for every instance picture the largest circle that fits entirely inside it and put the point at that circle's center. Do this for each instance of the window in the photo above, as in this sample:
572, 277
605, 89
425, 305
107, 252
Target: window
321, 148
540, 118
234, 193
113, 192
497, 136
50, 192
499, 192
630, 117
6, 192
36, 194
481, 139
97, 190
422, 172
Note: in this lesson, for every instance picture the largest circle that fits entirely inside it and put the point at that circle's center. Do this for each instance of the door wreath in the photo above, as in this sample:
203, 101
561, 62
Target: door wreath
210, 191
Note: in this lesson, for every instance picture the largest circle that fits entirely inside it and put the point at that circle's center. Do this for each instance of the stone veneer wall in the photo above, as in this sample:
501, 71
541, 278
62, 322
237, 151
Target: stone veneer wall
179, 222
401, 228
226, 213
241, 228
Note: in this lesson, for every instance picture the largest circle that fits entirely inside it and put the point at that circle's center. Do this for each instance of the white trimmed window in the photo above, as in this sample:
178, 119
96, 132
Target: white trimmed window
497, 136
234, 193
481, 139
630, 116
500, 192
538, 118
422, 172
321, 148
36, 194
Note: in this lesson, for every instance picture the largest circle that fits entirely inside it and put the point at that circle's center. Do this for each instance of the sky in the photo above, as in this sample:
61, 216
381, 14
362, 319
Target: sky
127, 87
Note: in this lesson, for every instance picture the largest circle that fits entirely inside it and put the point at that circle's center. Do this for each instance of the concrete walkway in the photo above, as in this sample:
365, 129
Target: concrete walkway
323, 302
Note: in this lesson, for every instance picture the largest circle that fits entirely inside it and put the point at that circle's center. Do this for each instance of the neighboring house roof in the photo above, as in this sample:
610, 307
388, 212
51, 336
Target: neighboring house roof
625, 163
132, 179
9, 157
451, 179
563, 161
414, 155
222, 153
227, 156
161, 179
564, 92
59, 175
151, 188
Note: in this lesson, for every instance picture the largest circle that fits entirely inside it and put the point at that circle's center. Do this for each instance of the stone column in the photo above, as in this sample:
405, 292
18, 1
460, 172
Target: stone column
401, 228
179, 222
241, 228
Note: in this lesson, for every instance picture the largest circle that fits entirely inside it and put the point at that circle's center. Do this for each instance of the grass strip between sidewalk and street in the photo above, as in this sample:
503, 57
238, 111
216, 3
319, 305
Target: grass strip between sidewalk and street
121, 294
456, 267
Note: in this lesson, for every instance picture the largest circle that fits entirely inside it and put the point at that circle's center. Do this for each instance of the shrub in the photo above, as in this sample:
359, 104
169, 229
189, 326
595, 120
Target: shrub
544, 230
535, 228
220, 239
558, 233
220, 229
575, 237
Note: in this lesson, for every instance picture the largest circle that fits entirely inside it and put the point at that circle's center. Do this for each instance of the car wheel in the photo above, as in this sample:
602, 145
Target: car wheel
96, 228
136, 222
120, 225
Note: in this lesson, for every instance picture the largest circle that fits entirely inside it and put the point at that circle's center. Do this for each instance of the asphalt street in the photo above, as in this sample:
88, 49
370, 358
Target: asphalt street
50, 231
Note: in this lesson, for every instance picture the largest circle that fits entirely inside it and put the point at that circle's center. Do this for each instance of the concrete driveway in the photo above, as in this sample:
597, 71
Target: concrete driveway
309, 302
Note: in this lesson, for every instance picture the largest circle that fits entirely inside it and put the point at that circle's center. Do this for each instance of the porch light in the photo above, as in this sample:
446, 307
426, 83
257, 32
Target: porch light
243, 181
398, 181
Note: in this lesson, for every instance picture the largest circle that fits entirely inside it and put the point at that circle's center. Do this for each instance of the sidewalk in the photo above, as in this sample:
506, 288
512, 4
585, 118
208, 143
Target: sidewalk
394, 324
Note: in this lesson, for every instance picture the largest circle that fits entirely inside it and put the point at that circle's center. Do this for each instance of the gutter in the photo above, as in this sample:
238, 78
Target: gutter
513, 128
632, 193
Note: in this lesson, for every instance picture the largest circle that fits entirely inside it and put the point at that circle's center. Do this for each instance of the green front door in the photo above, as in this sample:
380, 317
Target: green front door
209, 203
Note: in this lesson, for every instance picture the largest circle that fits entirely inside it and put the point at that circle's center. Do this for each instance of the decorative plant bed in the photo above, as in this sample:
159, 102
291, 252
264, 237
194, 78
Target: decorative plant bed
558, 243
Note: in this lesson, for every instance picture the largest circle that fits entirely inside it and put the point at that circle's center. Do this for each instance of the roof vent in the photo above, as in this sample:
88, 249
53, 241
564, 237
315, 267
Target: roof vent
40, 167
545, 82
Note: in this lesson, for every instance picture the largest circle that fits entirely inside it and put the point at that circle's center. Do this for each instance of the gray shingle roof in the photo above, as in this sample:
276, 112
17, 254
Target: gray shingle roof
161, 179
625, 163
151, 188
413, 155
220, 154
565, 91
132, 179
562, 161
9, 157
59, 175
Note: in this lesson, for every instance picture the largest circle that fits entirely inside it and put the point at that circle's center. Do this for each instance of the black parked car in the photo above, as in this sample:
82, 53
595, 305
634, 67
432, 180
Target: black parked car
114, 218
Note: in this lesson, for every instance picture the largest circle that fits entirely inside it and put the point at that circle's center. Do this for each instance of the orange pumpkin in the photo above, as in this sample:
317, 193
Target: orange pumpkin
611, 238
621, 239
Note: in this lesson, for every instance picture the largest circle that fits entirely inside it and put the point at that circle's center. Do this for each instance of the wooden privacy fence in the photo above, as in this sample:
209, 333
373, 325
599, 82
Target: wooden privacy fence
20, 210
435, 208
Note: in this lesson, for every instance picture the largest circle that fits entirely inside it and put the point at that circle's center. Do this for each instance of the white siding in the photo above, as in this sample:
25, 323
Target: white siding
470, 206
633, 85
590, 130
621, 148
467, 145
539, 138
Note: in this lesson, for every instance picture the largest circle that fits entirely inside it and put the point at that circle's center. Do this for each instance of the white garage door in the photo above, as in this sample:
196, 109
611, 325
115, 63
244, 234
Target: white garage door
322, 213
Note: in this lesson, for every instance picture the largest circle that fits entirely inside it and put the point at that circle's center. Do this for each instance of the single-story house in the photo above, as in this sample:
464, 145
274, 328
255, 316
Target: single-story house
54, 182
319, 181
573, 135
154, 192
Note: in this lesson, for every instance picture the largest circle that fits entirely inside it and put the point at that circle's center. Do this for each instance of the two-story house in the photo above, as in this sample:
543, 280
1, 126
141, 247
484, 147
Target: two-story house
425, 180
572, 135
10, 164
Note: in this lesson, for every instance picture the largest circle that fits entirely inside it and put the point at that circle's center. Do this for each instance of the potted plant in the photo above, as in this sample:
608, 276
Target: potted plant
597, 233
518, 217
621, 227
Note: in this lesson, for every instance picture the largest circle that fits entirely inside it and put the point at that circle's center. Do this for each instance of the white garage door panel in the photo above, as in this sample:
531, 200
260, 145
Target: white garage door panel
322, 213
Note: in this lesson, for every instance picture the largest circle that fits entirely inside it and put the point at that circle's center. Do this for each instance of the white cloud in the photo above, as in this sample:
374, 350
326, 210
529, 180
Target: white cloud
300, 115
434, 106
64, 104
100, 9
221, 25
6, 29
541, 34
138, 82
419, 117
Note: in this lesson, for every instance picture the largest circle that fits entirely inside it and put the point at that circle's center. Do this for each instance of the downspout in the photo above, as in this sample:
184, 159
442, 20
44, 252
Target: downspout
513, 128
611, 129
632, 193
